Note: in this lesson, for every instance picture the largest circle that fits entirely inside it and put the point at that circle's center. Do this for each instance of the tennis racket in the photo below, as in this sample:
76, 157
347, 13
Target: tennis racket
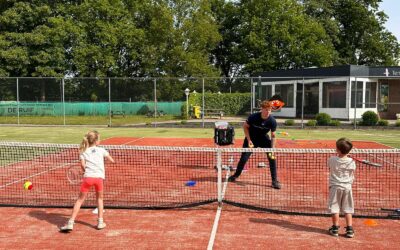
367, 162
394, 212
75, 174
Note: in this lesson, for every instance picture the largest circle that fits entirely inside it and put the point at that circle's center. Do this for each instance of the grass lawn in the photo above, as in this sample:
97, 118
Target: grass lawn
74, 134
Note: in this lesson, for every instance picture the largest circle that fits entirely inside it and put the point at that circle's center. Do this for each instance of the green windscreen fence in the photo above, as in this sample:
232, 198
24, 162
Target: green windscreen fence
11, 108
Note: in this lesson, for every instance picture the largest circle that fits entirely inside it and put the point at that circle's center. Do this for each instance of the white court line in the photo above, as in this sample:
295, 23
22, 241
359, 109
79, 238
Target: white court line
14, 182
217, 216
19, 164
119, 137
132, 141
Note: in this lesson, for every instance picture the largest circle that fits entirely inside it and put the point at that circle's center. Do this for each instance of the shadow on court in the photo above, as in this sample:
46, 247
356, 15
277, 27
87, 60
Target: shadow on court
289, 225
205, 179
56, 219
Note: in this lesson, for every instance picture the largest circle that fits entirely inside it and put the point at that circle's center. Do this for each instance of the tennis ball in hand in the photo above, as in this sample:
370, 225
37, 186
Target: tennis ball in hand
28, 185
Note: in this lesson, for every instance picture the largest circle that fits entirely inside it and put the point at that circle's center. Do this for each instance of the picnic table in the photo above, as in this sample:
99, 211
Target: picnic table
152, 113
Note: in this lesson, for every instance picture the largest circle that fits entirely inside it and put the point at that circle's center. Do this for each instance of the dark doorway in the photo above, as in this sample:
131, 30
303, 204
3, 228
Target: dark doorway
311, 99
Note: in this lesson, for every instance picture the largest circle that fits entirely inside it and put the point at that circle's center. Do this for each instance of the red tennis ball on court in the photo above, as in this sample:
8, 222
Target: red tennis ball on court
28, 185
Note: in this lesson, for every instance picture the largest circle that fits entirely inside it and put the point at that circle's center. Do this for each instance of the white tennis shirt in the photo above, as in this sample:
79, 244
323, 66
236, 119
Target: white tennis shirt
94, 158
341, 171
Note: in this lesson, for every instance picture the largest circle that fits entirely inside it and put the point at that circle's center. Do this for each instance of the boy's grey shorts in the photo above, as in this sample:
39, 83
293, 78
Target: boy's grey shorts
340, 199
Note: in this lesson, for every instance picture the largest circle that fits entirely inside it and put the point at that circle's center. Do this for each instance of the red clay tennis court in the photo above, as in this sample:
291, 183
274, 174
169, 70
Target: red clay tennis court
242, 222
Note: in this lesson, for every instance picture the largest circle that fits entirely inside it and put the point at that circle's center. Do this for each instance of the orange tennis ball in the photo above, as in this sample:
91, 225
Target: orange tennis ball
28, 185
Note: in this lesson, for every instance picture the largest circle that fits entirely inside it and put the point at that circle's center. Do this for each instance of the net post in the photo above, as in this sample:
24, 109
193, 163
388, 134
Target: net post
219, 170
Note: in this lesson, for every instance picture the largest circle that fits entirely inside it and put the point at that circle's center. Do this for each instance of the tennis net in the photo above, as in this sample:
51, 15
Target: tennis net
170, 177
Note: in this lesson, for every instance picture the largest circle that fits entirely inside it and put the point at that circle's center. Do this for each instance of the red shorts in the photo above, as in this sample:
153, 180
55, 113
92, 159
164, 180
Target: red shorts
87, 182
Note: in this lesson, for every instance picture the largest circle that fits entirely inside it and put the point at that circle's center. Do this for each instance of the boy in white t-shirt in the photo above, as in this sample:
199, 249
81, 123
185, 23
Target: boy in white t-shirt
92, 162
341, 176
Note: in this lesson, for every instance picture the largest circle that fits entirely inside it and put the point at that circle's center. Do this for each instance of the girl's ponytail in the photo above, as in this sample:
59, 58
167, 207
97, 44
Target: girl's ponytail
84, 144
88, 140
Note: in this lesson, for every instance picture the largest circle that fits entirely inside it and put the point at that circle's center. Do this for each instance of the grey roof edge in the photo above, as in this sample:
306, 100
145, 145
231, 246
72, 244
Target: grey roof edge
334, 71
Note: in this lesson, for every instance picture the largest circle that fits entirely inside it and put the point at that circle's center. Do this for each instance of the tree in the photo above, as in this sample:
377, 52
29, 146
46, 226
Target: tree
28, 47
261, 35
227, 55
356, 29
279, 35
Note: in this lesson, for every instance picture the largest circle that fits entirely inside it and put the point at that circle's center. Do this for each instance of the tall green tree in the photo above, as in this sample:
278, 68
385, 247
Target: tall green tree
28, 45
264, 35
192, 35
227, 56
279, 35
357, 31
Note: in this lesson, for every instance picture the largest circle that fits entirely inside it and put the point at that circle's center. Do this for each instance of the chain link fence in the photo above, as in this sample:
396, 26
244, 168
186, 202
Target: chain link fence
153, 101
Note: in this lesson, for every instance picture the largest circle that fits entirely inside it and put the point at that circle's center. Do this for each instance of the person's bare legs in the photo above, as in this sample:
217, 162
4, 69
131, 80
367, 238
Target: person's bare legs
78, 204
349, 219
335, 219
349, 228
100, 204
70, 224
334, 229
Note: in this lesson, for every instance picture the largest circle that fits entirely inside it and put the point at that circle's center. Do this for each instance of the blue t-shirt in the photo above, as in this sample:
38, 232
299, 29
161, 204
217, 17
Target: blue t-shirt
259, 127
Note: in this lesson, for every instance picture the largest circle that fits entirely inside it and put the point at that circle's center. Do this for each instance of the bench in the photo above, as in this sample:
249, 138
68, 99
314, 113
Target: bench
159, 113
121, 113
213, 112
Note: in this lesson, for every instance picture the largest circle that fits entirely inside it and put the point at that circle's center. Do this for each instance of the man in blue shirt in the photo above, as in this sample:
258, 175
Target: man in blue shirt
256, 129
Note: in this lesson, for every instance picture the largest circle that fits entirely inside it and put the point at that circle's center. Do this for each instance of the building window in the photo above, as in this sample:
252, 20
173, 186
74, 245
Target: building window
286, 91
334, 94
370, 95
359, 95
263, 92
383, 96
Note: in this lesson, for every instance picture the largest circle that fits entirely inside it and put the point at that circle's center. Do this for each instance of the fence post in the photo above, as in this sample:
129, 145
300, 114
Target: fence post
203, 104
302, 106
251, 95
355, 102
155, 102
18, 100
63, 98
109, 102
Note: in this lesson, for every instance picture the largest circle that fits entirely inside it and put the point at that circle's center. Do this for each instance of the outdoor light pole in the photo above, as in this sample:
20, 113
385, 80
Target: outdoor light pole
187, 91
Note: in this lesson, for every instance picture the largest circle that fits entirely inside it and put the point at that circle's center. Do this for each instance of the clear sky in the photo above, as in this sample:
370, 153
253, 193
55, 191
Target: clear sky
392, 9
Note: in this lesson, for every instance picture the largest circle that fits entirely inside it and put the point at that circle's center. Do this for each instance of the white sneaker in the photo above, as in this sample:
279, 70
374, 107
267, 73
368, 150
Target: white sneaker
96, 211
68, 227
261, 165
101, 225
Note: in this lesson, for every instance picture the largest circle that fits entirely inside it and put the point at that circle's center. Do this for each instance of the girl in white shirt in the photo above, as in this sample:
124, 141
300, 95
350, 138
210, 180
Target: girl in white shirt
92, 163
